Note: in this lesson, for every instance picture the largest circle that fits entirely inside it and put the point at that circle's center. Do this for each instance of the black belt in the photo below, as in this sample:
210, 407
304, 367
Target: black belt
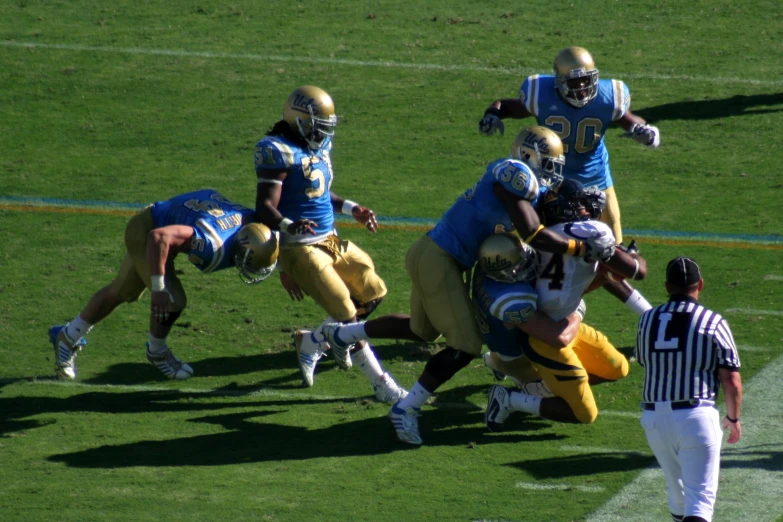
679, 405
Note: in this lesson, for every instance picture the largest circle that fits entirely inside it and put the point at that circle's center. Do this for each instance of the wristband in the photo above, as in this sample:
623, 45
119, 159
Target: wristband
733, 421
348, 206
284, 224
575, 248
157, 283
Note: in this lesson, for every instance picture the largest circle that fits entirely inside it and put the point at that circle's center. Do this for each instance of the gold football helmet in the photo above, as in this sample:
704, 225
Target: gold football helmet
576, 77
255, 252
506, 258
310, 112
541, 149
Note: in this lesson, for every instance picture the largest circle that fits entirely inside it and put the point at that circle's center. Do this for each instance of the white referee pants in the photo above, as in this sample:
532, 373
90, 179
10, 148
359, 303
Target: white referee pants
687, 446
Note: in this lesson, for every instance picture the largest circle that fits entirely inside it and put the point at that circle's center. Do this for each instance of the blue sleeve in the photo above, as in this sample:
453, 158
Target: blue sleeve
273, 155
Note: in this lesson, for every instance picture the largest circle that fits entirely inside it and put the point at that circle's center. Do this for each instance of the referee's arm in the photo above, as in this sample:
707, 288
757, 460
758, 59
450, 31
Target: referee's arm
731, 382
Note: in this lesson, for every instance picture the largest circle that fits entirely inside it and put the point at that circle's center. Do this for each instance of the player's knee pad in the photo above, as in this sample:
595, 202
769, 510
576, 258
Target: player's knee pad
171, 318
363, 310
443, 365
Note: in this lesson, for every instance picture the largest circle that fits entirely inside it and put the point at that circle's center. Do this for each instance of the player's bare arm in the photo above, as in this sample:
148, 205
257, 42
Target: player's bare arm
557, 334
628, 265
268, 191
639, 130
163, 245
497, 111
360, 213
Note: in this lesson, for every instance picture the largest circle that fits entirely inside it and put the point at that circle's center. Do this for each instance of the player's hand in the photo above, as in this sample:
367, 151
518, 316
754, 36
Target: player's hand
647, 135
735, 430
366, 217
160, 305
631, 248
599, 247
294, 292
491, 122
302, 226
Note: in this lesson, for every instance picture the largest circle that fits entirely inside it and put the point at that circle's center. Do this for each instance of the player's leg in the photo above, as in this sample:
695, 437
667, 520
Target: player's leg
158, 351
564, 376
442, 306
699, 455
598, 356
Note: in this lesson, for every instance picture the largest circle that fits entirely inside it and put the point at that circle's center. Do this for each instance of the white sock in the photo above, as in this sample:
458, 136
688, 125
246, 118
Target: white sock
524, 402
157, 345
367, 362
77, 328
416, 397
351, 333
637, 303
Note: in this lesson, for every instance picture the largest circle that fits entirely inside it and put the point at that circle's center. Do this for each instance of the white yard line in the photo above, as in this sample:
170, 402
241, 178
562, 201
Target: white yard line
537, 486
771, 277
751, 311
751, 480
522, 71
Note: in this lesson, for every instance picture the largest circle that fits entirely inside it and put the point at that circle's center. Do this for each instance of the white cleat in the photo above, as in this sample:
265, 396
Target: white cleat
65, 351
497, 374
387, 390
308, 352
171, 367
340, 350
498, 407
406, 424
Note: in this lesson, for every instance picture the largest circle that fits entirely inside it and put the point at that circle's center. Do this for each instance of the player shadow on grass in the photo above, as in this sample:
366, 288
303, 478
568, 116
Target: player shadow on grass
759, 456
739, 105
254, 437
14, 411
584, 464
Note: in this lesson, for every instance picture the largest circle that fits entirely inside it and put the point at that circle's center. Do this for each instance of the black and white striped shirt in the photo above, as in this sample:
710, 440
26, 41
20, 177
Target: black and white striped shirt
681, 345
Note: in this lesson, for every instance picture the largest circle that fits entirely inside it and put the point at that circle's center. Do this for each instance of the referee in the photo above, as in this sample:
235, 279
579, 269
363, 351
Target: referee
688, 352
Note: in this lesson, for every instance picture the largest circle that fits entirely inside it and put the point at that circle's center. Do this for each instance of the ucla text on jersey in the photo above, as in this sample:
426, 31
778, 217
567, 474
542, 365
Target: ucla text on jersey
306, 187
478, 213
580, 129
215, 221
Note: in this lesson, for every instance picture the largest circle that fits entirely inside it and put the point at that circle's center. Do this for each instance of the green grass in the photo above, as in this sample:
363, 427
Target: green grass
98, 112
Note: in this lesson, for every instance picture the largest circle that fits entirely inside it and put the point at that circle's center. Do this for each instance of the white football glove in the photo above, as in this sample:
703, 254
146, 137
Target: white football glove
599, 247
491, 122
647, 135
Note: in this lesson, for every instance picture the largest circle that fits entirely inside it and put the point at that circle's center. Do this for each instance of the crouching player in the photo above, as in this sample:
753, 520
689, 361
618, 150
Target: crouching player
213, 232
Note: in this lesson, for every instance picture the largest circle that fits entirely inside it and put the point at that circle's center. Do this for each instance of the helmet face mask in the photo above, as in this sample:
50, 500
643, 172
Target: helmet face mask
506, 258
255, 252
541, 149
576, 77
309, 111
574, 202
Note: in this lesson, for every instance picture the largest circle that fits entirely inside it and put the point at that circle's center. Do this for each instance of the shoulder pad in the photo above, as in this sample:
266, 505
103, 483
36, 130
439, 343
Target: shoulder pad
274, 154
517, 178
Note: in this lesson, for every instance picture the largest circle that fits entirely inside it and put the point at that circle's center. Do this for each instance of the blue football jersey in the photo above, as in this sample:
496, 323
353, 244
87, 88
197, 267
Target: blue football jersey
581, 129
306, 187
215, 220
478, 213
497, 304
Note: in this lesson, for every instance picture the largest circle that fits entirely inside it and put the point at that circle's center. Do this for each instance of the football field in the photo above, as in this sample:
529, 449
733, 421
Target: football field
107, 107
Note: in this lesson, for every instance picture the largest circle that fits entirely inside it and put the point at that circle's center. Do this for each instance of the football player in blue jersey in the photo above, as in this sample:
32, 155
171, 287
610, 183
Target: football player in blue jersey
439, 264
211, 230
294, 170
579, 108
